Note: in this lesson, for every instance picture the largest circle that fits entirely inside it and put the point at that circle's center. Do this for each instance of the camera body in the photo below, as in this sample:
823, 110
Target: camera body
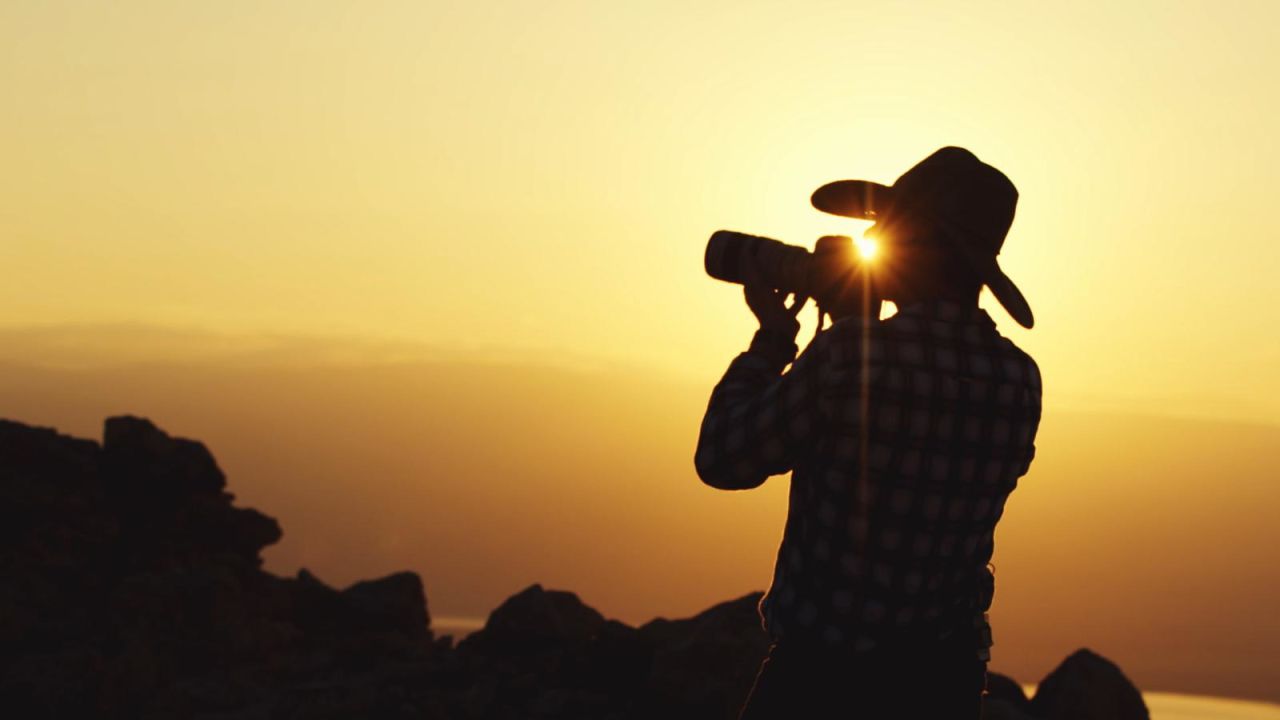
832, 274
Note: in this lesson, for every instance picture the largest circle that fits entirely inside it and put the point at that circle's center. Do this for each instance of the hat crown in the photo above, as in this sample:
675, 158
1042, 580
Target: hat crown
956, 189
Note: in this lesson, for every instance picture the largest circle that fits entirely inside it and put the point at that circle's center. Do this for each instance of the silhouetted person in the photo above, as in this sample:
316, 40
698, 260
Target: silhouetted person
904, 437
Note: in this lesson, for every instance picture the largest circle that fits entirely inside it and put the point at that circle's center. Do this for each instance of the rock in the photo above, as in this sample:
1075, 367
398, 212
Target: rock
133, 588
168, 495
997, 709
536, 656
619, 660
705, 665
248, 532
1003, 687
143, 458
535, 618
61, 682
1005, 699
314, 606
1087, 686
32, 454
395, 603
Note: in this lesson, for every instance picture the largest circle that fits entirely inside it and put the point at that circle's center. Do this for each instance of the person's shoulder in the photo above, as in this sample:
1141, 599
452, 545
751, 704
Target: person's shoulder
852, 326
1021, 362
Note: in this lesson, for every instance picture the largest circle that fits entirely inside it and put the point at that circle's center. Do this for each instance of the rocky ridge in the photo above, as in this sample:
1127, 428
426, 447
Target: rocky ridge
133, 588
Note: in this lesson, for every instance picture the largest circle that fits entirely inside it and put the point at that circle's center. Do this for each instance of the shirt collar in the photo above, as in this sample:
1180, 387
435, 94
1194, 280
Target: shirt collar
947, 311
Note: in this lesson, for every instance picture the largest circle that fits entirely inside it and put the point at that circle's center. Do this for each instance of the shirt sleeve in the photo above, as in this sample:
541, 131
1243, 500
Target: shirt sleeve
759, 420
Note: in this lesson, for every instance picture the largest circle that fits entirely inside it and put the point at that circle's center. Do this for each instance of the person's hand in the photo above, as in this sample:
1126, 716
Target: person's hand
769, 305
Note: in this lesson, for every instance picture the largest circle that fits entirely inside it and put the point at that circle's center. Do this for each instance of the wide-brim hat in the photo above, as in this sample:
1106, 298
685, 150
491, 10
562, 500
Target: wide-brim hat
964, 201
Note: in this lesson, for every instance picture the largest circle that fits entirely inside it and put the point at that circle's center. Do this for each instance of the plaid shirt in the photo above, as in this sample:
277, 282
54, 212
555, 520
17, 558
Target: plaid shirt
904, 437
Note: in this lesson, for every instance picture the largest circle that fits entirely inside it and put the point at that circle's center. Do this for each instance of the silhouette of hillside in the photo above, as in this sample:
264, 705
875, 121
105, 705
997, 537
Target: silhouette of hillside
134, 588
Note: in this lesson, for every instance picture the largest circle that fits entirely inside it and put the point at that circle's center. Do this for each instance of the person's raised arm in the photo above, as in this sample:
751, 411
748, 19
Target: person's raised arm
760, 420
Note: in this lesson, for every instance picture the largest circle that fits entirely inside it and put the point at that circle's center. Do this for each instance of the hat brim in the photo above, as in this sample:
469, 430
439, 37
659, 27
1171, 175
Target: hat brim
860, 199
1010, 297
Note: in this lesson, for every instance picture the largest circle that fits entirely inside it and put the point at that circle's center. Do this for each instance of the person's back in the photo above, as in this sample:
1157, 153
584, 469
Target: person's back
905, 436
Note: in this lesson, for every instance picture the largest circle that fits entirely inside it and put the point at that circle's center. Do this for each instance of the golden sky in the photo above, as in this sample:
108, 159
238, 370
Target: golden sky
541, 177
222, 187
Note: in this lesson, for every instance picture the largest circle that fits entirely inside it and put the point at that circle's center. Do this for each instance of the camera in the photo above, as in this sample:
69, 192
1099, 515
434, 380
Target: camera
833, 275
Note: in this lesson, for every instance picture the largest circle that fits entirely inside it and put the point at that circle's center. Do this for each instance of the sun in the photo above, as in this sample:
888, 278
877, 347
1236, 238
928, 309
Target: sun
867, 248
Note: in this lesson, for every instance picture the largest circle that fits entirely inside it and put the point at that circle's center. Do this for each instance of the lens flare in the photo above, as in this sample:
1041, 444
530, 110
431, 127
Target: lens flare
867, 248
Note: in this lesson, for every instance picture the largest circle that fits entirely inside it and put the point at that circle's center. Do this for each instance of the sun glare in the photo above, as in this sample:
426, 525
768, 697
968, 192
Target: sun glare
867, 248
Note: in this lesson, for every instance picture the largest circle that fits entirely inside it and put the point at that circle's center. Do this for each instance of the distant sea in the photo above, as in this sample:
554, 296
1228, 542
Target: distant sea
1176, 706
1172, 706
1163, 706
458, 627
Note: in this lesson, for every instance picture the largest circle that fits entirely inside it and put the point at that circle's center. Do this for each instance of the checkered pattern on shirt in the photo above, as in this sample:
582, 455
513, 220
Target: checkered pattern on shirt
936, 413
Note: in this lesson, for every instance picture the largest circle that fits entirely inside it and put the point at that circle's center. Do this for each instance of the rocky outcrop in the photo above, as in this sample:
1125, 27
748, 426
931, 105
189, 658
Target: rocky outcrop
1005, 699
1087, 686
133, 588
726, 638
543, 653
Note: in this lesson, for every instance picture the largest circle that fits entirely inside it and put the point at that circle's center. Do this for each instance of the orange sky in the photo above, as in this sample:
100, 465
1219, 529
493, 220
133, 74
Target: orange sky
345, 193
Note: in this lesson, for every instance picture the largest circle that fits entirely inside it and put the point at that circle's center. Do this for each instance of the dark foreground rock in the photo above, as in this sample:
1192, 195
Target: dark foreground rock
1087, 686
132, 587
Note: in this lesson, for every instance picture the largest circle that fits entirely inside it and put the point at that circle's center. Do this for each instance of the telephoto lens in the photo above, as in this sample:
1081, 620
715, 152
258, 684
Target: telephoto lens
832, 275
781, 266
